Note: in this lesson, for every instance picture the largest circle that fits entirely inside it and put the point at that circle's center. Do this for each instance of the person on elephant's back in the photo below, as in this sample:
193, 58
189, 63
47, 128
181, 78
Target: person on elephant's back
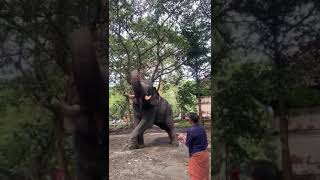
196, 141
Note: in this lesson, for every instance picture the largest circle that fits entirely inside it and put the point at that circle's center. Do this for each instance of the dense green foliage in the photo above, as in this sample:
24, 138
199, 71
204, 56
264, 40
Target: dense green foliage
169, 93
240, 112
27, 137
186, 97
117, 104
187, 92
303, 97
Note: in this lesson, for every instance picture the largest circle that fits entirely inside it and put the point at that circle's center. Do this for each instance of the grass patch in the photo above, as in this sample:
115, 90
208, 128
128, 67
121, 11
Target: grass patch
118, 126
184, 124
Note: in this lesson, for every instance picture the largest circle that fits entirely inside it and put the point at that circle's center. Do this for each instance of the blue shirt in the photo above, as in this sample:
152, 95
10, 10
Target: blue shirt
196, 139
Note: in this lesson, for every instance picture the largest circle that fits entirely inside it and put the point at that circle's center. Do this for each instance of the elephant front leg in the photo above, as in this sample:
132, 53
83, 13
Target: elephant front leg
137, 115
136, 139
173, 139
140, 140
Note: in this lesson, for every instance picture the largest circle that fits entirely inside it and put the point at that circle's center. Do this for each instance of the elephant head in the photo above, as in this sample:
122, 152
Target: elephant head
144, 92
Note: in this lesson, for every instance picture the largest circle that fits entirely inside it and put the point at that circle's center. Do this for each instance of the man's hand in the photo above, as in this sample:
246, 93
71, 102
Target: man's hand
181, 138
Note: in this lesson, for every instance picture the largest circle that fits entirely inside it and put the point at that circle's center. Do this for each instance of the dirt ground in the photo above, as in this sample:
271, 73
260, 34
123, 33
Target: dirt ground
157, 161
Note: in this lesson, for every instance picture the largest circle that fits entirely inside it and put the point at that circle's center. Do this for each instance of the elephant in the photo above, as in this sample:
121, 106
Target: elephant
149, 109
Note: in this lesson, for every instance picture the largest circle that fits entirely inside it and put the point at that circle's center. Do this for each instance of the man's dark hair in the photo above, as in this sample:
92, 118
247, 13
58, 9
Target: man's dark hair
193, 116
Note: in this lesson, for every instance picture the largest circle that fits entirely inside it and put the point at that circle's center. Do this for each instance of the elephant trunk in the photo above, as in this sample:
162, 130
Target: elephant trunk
136, 84
139, 93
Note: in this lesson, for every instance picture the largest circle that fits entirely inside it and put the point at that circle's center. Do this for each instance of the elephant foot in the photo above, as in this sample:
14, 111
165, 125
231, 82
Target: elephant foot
131, 146
174, 143
139, 146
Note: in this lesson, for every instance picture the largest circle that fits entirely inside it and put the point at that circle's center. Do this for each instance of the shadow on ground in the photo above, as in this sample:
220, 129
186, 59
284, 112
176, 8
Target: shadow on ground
160, 141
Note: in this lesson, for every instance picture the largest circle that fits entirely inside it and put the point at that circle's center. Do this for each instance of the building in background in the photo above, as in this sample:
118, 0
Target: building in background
205, 107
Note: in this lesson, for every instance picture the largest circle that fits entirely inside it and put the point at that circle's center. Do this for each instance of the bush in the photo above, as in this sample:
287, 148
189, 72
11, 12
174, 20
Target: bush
118, 105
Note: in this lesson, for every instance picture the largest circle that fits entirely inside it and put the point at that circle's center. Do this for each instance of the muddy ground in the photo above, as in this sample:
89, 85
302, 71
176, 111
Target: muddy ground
157, 161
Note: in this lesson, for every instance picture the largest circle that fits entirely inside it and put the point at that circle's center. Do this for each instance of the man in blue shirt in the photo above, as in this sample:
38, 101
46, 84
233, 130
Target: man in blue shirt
197, 143
196, 136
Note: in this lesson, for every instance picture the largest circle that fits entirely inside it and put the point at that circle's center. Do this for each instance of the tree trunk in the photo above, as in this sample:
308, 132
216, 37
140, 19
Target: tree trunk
283, 120
130, 113
62, 159
198, 96
226, 161
279, 68
60, 59
285, 151
159, 85
284, 139
283, 124
131, 120
200, 110
59, 131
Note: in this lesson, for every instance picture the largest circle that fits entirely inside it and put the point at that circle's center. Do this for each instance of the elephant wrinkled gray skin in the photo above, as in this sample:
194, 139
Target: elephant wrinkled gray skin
149, 109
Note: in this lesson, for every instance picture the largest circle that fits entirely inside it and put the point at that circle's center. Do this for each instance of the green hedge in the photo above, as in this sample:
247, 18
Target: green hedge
303, 97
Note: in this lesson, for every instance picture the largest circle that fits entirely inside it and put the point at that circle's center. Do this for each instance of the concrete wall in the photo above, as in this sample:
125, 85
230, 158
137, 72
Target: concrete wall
304, 149
302, 119
304, 141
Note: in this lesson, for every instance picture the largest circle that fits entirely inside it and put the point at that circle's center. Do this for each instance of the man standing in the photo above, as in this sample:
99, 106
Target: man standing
196, 141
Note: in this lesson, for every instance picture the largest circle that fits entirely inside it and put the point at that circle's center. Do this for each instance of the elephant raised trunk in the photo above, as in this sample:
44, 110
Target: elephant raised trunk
140, 93
137, 88
136, 84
